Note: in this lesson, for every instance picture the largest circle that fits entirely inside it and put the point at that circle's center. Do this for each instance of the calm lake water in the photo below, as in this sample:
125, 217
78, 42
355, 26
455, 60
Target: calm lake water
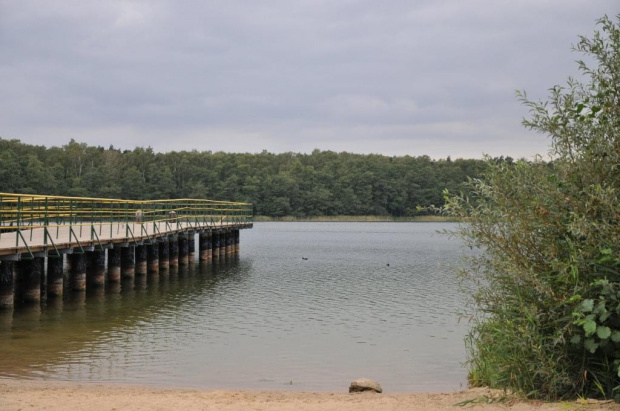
266, 318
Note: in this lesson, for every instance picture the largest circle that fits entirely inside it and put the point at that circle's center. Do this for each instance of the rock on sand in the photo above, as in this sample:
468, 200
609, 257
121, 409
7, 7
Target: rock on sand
364, 384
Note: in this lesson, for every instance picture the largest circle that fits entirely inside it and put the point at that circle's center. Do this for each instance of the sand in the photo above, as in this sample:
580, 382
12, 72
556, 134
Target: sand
48, 395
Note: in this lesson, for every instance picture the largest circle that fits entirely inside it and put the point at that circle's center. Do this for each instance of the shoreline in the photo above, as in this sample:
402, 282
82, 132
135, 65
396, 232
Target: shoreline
60, 395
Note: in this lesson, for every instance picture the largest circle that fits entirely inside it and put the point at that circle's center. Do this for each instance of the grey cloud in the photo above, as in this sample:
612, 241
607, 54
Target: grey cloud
398, 77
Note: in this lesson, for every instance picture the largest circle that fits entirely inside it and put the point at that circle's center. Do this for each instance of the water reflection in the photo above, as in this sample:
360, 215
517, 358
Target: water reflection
81, 320
264, 318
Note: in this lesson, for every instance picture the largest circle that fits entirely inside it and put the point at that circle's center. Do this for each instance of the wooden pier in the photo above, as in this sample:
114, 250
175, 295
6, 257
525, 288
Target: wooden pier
102, 240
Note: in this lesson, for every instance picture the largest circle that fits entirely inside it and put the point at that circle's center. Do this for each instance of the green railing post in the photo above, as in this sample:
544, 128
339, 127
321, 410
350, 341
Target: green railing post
45, 222
70, 215
18, 221
126, 221
32, 219
111, 218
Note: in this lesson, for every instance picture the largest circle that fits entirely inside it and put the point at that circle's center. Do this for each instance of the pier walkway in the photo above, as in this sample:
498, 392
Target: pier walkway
32, 224
101, 240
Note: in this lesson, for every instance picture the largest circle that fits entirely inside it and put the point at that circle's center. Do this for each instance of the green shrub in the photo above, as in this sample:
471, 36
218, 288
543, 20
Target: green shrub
546, 310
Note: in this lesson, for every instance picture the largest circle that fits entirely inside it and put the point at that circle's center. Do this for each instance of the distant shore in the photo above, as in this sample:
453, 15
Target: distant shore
358, 218
53, 395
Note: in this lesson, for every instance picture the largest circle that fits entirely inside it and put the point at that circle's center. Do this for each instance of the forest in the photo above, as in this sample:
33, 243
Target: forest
323, 183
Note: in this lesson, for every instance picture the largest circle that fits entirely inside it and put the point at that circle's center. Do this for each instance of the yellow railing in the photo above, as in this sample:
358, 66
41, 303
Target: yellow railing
21, 212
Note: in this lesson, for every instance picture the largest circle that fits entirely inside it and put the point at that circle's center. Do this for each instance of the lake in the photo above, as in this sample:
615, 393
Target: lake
305, 306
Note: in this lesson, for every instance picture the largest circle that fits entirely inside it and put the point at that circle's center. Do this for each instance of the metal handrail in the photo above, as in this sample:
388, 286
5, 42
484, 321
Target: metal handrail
25, 212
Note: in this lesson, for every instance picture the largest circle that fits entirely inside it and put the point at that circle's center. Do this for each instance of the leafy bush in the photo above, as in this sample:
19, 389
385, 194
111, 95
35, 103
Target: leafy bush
546, 313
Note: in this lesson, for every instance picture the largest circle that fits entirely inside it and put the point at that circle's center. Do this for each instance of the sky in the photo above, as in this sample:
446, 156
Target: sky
393, 77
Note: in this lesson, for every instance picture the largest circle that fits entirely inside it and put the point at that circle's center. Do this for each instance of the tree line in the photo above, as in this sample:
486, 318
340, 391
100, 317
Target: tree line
286, 184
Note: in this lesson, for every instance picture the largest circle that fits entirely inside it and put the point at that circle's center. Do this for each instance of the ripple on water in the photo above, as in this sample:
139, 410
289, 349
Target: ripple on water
266, 317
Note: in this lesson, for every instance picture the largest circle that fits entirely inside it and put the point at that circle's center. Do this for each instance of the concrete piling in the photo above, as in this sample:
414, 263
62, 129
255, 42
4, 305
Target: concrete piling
223, 240
174, 250
152, 257
204, 246
7, 284
183, 249
229, 242
114, 288
43, 282
217, 242
114, 265
55, 278
191, 245
78, 272
215, 246
140, 282
209, 246
28, 273
128, 261
141, 260
95, 267
164, 254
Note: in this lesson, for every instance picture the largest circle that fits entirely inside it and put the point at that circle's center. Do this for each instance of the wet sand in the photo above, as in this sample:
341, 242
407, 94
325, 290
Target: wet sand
53, 395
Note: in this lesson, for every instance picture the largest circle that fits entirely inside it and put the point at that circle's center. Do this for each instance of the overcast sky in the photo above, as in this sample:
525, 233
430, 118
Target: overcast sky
394, 77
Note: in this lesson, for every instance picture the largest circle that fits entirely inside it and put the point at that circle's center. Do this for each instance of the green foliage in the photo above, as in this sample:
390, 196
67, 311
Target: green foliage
546, 310
288, 184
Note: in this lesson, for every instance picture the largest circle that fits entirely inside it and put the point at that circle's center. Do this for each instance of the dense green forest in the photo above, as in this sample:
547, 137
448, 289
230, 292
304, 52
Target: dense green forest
320, 183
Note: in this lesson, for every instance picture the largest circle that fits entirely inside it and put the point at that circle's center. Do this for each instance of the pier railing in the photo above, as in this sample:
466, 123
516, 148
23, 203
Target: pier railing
21, 215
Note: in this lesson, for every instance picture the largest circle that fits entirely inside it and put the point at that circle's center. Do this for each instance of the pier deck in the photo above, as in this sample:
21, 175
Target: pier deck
104, 240
33, 225
88, 237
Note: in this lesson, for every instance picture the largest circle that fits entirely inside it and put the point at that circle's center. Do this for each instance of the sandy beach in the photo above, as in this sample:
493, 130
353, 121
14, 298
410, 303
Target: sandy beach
52, 395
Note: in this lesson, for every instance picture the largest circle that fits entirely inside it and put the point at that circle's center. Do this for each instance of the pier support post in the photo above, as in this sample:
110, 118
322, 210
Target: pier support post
141, 260
55, 278
7, 284
114, 265
237, 241
191, 245
139, 282
204, 246
183, 249
164, 254
78, 272
229, 242
223, 240
95, 267
152, 256
43, 282
128, 261
30, 272
215, 246
174, 250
